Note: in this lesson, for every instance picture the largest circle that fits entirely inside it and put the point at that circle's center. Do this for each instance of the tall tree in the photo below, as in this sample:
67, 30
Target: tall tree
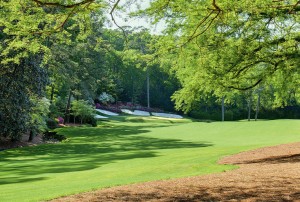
25, 29
18, 83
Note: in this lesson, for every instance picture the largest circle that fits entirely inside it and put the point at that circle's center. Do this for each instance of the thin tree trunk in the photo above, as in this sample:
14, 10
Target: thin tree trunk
257, 106
249, 108
67, 112
132, 99
223, 108
31, 136
148, 89
52, 93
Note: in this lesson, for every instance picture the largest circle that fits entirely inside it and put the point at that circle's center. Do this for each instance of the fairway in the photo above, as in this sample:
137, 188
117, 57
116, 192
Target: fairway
129, 150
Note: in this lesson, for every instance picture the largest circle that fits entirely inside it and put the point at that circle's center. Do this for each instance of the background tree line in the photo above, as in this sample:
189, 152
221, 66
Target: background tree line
243, 56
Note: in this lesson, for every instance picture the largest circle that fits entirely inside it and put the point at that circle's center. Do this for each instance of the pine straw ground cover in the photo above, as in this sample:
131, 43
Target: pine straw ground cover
266, 174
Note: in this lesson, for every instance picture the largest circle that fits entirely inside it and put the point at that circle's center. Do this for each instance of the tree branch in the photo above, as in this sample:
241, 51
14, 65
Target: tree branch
294, 7
114, 20
73, 6
216, 9
56, 4
65, 21
193, 36
246, 88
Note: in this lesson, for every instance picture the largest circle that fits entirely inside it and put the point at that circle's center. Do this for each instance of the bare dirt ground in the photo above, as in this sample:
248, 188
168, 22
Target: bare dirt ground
8, 144
267, 174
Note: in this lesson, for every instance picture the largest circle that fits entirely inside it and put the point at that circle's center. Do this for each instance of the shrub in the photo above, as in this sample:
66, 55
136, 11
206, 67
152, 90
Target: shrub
91, 120
106, 98
52, 135
38, 116
212, 115
60, 120
98, 106
51, 124
82, 109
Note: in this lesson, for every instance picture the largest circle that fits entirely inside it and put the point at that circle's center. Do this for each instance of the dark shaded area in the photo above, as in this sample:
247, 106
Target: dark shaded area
12, 180
52, 135
288, 112
85, 149
234, 113
295, 158
235, 194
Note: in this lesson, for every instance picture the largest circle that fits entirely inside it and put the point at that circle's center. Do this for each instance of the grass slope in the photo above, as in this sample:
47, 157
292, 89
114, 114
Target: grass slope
129, 150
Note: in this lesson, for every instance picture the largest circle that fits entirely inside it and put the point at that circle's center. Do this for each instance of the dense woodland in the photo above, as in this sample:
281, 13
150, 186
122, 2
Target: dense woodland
216, 60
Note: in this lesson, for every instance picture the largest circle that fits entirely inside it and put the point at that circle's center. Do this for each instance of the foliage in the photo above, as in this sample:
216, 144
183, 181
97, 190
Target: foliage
52, 135
19, 83
55, 110
60, 120
106, 98
38, 115
82, 109
51, 124
162, 86
137, 63
210, 50
37, 37
218, 46
29, 23
91, 120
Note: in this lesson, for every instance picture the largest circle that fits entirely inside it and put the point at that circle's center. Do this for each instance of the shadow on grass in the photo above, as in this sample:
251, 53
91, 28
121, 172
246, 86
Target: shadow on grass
87, 148
143, 119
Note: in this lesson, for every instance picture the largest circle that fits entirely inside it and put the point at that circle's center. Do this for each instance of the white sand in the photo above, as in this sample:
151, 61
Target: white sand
166, 115
141, 113
107, 112
127, 111
100, 117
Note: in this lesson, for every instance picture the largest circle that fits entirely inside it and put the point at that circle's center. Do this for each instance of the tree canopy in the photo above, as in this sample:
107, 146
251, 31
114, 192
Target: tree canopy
219, 46
211, 51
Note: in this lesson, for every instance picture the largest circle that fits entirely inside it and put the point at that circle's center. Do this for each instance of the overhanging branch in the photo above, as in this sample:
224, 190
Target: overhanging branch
205, 22
56, 4
114, 20
245, 88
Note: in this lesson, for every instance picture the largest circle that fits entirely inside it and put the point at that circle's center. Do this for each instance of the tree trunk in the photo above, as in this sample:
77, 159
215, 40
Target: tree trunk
132, 99
67, 112
148, 89
223, 108
257, 106
249, 108
31, 136
52, 93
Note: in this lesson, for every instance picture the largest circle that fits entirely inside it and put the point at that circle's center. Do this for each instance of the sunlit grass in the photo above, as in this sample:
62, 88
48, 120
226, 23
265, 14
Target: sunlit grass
131, 149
